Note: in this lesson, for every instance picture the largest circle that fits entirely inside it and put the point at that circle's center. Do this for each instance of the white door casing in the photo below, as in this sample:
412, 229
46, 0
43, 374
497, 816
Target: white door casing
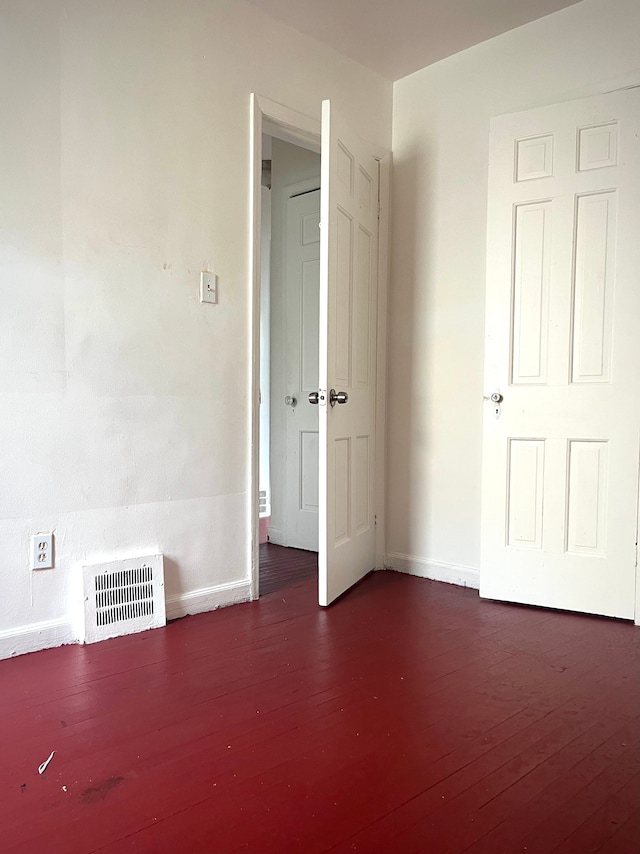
302, 303
348, 304
560, 463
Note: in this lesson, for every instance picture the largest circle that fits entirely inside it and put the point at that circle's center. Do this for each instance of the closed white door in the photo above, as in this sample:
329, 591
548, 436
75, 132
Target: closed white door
560, 461
348, 298
302, 324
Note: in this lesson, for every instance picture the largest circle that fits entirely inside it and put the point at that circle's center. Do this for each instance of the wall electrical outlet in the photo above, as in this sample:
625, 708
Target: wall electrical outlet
208, 287
42, 551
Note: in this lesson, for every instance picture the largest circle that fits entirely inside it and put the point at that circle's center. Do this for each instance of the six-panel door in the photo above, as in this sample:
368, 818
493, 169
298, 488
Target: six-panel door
348, 298
560, 463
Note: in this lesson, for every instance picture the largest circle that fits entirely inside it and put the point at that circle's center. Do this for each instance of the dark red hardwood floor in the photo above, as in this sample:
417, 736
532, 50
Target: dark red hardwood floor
281, 567
409, 717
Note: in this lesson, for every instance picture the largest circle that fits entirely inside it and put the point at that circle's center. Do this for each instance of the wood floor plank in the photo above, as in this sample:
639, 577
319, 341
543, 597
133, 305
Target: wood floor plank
625, 839
463, 786
597, 829
563, 823
489, 803
553, 783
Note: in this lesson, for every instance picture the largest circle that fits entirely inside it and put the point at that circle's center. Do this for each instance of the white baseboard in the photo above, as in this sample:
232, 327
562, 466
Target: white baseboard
450, 573
208, 599
36, 636
276, 536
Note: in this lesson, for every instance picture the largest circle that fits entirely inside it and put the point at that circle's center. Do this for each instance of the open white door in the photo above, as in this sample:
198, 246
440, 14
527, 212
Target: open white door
560, 462
348, 301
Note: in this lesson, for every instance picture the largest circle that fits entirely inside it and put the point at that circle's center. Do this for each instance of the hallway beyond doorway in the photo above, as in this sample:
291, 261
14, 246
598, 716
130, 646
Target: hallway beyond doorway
282, 567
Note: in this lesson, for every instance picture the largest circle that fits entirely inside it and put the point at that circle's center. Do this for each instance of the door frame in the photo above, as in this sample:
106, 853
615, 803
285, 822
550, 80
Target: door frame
267, 116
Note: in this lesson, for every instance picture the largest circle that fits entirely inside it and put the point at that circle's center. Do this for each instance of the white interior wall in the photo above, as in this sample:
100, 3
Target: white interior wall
290, 165
124, 402
440, 144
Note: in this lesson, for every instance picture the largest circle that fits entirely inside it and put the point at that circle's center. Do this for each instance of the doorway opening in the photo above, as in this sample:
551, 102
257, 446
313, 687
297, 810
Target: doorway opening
286, 193
289, 328
350, 344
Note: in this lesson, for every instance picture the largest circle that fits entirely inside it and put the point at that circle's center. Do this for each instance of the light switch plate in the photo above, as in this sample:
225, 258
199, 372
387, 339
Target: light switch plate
208, 287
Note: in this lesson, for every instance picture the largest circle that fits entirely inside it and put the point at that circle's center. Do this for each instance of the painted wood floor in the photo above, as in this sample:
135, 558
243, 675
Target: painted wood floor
409, 717
281, 567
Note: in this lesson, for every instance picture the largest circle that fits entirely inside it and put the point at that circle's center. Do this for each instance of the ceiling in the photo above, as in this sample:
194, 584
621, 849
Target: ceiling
397, 37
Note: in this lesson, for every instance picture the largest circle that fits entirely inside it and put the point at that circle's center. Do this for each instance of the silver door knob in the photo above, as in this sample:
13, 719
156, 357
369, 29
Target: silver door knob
290, 401
496, 397
314, 397
337, 397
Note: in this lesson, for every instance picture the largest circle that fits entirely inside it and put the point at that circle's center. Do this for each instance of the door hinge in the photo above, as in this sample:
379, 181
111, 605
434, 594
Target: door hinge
375, 521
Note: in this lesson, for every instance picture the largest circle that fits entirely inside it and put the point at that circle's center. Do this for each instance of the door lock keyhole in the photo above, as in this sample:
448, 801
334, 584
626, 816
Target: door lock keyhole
496, 398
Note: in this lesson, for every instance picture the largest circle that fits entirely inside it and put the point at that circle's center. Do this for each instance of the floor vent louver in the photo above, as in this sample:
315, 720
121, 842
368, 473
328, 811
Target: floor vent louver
123, 597
263, 504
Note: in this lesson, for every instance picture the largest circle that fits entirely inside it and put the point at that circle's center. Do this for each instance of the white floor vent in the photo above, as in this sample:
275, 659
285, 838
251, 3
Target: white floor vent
121, 598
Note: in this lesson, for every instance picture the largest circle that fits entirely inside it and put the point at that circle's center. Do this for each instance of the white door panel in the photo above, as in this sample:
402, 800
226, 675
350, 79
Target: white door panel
560, 463
302, 324
348, 298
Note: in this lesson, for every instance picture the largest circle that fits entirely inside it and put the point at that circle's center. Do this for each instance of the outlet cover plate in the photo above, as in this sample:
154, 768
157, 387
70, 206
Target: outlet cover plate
42, 551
